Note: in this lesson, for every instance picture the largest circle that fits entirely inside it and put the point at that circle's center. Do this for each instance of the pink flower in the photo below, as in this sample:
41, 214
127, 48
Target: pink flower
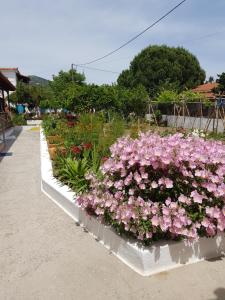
184, 199
154, 185
205, 222
142, 186
137, 177
209, 211
131, 192
118, 195
168, 183
155, 221
131, 200
144, 175
166, 211
173, 205
118, 184
168, 201
108, 202
177, 223
148, 235
197, 198
161, 180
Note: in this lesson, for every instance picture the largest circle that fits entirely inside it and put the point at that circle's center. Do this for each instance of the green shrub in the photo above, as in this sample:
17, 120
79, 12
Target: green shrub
19, 120
52, 125
167, 96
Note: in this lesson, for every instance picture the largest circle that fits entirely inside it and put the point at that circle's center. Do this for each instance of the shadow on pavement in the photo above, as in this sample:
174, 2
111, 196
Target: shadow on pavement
9, 142
221, 257
219, 294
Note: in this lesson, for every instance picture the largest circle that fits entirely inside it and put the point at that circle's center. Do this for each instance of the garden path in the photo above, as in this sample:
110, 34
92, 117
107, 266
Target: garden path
44, 255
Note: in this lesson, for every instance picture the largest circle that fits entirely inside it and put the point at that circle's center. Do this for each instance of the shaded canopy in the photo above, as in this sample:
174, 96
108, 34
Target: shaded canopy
5, 84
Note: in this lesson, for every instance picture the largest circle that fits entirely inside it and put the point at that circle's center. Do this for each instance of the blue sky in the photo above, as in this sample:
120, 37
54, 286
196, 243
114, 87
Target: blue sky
42, 37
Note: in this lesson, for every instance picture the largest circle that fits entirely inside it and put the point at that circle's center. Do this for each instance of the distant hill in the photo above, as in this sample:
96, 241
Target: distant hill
36, 80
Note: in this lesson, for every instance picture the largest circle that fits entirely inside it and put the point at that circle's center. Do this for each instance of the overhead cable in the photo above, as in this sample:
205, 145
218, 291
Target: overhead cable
136, 36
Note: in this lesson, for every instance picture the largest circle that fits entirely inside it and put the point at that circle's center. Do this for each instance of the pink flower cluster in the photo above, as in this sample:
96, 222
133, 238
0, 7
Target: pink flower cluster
161, 187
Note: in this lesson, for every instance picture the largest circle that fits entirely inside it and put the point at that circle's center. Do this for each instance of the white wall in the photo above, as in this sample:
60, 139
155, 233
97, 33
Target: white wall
191, 122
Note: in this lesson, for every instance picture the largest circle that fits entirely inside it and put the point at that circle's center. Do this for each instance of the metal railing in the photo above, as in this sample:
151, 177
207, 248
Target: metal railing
5, 122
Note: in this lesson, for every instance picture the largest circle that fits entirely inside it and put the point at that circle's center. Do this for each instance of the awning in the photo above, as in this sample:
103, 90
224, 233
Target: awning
5, 84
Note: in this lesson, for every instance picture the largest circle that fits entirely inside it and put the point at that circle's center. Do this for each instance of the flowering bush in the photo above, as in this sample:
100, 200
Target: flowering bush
87, 146
161, 188
75, 149
78, 149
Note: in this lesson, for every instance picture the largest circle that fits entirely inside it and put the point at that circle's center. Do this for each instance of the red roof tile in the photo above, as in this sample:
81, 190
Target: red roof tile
206, 87
8, 69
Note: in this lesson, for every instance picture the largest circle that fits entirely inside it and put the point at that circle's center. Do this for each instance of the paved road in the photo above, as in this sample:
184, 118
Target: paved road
44, 255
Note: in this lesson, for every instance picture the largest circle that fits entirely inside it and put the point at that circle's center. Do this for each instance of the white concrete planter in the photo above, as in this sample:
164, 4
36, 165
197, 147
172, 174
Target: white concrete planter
161, 256
34, 122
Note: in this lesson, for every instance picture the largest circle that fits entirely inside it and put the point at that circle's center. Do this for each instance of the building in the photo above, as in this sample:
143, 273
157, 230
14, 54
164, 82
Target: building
5, 88
14, 75
206, 90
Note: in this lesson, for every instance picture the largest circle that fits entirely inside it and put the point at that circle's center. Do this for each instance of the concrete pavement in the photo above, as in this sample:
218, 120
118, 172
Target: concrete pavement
44, 255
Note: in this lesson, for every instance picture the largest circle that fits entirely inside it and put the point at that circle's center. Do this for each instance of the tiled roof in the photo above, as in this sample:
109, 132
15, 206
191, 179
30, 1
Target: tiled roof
206, 87
17, 72
8, 69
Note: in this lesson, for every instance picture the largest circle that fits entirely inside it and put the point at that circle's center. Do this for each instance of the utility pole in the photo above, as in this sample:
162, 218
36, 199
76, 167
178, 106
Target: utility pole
73, 68
72, 72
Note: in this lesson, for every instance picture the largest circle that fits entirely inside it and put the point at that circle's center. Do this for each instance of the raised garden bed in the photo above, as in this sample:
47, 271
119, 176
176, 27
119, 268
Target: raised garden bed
145, 260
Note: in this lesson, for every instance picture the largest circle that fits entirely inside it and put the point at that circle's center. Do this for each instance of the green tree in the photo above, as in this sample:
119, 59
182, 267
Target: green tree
48, 99
31, 94
211, 79
71, 97
221, 81
189, 96
158, 66
21, 94
134, 101
167, 96
65, 87
69, 91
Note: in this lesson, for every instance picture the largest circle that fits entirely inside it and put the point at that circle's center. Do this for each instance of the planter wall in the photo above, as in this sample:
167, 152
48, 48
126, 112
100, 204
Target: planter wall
161, 256
34, 122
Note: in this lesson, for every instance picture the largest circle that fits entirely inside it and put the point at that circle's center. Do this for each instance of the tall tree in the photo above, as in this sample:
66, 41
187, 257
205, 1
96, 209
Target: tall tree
157, 66
32, 94
211, 79
65, 88
221, 81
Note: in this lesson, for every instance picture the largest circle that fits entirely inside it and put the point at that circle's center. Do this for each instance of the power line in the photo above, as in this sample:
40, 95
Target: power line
136, 36
203, 37
183, 42
96, 69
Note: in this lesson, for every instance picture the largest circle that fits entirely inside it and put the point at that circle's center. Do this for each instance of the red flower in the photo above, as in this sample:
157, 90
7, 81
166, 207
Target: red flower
87, 146
70, 117
75, 149
70, 124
